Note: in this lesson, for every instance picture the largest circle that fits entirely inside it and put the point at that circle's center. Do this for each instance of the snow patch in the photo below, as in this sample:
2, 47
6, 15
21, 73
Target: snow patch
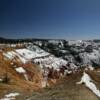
87, 80
26, 77
20, 70
1, 80
10, 96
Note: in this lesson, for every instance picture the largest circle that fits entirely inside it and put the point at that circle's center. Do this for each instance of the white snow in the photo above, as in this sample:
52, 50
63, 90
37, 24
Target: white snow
91, 68
75, 42
88, 82
67, 72
10, 96
31, 52
26, 54
88, 57
9, 55
26, 77
20, 70
50, 62
12, 54
37, 55
1, 80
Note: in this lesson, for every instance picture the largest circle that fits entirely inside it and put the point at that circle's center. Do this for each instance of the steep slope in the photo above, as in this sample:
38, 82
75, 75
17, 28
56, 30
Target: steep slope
13, 80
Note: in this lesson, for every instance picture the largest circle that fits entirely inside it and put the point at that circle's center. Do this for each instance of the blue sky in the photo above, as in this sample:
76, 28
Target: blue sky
66, 19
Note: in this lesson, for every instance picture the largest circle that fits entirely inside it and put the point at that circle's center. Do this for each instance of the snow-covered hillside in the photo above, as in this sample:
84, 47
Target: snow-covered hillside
36, 55
80, 52
89, 58
57, 53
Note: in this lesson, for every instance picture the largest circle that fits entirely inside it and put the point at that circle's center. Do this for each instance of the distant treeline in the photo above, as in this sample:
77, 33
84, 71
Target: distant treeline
4, 40
96, 40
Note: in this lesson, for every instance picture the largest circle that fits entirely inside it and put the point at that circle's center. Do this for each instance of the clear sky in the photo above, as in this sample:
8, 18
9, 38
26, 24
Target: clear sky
67, 19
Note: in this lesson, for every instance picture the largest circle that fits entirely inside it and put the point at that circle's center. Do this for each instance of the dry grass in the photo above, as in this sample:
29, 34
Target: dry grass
17, 83
95, 75
66, 89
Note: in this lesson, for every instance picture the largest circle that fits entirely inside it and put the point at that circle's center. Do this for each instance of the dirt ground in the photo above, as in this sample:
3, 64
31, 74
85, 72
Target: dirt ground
66, 89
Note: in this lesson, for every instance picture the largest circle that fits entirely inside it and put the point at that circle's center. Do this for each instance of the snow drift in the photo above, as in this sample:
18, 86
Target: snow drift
88, 83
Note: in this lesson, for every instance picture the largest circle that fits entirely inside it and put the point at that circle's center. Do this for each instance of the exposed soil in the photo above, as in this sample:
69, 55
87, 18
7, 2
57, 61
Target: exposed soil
66, 89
